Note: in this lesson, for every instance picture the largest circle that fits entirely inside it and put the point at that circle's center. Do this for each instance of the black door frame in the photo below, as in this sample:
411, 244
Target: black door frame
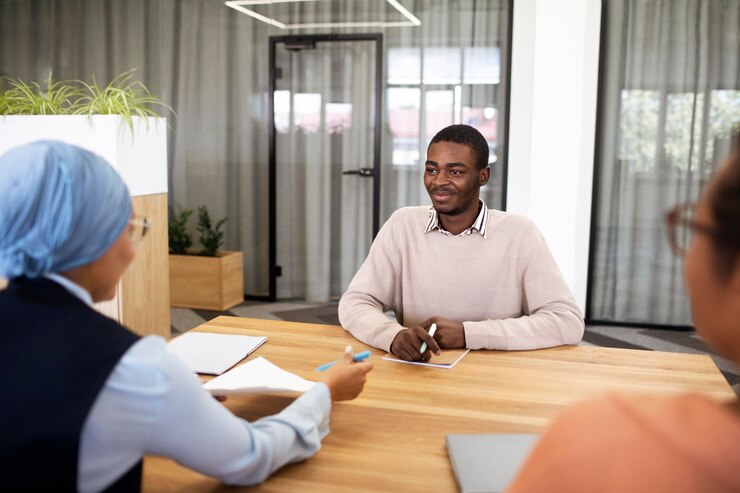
309, 40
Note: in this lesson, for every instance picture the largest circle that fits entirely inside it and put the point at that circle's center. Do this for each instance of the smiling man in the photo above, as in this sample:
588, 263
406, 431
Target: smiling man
485, 277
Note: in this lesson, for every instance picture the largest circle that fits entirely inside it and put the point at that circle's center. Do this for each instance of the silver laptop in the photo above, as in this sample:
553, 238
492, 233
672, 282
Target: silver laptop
488, 463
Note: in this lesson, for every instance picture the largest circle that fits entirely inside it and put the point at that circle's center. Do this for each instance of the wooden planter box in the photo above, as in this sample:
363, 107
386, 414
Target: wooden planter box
208, 283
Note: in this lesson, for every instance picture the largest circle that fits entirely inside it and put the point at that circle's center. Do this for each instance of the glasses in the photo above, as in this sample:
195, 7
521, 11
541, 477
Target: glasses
137, 228
682, 227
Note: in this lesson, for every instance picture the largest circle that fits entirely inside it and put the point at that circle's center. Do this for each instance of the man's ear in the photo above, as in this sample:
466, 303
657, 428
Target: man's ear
483, 175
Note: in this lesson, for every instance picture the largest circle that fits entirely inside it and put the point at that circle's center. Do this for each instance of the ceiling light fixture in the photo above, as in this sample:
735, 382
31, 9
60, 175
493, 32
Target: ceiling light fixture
240, 6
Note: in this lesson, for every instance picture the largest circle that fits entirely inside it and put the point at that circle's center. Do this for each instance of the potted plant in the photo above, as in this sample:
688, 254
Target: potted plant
117, 122
210, 278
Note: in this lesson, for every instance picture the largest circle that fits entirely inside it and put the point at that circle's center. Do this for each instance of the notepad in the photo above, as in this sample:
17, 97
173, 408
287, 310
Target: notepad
257, 376
204, 352
447, 359
488, 463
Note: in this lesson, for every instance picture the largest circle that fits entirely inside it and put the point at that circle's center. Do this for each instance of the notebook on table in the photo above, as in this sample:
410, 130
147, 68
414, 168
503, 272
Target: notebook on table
488, 463
205, 352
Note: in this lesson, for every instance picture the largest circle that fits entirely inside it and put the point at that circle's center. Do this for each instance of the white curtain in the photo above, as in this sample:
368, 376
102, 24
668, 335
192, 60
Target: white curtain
670, 96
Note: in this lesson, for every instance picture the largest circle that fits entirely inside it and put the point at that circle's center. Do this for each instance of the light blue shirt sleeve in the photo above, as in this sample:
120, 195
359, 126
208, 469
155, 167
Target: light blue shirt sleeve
153, 404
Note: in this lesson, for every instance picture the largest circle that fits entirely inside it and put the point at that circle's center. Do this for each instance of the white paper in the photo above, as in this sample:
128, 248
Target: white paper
257, 376
204, 352
399, 360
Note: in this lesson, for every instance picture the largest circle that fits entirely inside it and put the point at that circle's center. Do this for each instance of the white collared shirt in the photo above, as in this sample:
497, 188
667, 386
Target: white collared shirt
479, 225
153, 404
74, 288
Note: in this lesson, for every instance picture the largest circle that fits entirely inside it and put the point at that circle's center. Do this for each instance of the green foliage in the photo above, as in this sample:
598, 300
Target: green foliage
179, 238
22, 98
211, 236
680, 145
123, 96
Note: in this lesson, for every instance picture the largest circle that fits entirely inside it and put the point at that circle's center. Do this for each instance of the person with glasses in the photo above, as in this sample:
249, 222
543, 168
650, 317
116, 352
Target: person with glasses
85, 398
683, 443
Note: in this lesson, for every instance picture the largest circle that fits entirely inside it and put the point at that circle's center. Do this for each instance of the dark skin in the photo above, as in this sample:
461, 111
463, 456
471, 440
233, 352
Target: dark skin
453, 180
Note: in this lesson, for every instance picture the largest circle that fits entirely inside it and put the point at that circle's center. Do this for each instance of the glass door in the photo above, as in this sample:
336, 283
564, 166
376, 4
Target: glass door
324, 161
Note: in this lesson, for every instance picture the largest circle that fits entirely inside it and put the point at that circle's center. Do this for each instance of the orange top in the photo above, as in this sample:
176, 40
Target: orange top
685, 443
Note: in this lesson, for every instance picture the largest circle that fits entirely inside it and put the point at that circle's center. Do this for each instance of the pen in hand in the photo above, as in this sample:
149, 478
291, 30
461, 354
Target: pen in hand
431, 334
356, 358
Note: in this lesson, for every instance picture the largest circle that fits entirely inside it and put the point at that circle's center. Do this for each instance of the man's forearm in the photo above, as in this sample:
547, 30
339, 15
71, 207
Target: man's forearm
545, 328
367, 322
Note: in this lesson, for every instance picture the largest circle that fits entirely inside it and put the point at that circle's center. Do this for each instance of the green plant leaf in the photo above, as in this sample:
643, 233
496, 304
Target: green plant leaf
22, 98
211, 237
123, 96
179, 238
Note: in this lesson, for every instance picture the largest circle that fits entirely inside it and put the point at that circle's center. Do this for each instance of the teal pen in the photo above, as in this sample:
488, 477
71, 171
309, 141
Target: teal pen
356, 358
431, 333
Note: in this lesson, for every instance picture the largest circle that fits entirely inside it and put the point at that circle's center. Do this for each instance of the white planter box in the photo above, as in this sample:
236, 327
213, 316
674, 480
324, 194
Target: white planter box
140, 158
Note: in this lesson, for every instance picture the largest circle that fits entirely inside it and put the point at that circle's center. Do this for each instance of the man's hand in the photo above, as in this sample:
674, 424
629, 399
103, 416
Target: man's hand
408, 342
449, 335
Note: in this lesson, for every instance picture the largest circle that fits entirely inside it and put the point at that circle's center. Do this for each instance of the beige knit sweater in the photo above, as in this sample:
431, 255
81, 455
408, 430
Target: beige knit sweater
505, 288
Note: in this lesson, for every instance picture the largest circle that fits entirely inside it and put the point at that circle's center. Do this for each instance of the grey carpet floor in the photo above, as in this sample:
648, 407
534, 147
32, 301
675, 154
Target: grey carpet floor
677, 341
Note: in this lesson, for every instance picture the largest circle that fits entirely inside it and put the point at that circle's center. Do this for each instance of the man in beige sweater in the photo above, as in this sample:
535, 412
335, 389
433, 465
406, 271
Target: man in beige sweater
485, 277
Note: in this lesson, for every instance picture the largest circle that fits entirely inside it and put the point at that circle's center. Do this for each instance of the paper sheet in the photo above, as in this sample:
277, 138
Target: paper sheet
257, 376
204, 352
447, 359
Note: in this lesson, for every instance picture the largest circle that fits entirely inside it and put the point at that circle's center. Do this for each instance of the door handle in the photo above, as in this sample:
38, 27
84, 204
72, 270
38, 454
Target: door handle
365, 172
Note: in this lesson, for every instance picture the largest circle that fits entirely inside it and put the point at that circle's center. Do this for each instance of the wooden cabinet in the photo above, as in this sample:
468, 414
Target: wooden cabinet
144, 290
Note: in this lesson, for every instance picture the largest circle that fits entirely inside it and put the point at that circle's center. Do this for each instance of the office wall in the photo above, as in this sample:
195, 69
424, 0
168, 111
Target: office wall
552, 125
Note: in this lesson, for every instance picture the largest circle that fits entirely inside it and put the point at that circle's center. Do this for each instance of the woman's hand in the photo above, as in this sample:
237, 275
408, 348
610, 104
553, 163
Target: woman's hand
346, 379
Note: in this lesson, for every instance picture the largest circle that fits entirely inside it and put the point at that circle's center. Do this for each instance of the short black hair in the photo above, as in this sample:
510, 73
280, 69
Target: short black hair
467, 136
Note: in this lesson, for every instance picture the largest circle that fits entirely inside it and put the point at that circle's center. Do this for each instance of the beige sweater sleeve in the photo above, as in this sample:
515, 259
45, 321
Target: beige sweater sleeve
372, 292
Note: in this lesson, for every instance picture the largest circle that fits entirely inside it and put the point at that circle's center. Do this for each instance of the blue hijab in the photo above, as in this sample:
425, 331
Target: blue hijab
61, 207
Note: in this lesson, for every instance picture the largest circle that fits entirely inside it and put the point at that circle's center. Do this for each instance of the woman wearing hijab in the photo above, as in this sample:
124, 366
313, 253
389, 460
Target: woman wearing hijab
684, 443
85, 398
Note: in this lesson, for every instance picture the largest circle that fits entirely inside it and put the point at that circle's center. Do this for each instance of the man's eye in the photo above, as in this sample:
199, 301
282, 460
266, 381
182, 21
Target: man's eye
455, 172
431, 171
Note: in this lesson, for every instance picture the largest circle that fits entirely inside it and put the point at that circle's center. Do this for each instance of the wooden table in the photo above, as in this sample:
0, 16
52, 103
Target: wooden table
392, 438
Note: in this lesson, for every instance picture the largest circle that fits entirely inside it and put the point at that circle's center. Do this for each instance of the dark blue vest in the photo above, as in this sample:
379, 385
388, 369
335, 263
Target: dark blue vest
55, 355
